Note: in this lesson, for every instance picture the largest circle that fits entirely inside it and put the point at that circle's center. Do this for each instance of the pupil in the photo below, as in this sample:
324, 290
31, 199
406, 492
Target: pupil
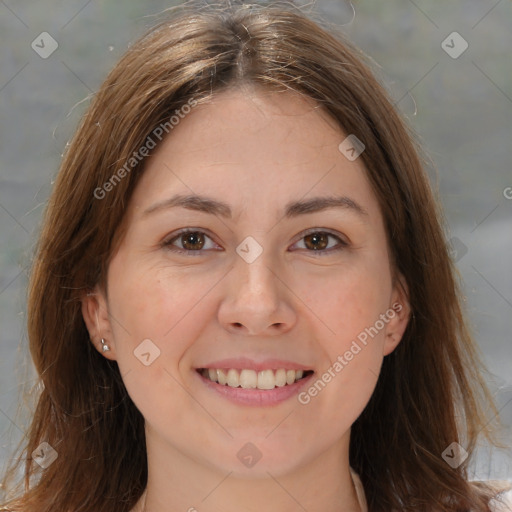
317, 240
191, 238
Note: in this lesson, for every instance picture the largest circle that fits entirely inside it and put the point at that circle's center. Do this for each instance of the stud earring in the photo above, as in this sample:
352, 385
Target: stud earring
104, 346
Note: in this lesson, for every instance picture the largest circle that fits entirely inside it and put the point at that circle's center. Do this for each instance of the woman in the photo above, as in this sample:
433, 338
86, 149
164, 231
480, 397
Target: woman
242, 297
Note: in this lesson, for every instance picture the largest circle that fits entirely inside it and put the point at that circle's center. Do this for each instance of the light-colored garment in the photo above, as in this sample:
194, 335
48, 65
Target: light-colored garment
503, 504
359, 491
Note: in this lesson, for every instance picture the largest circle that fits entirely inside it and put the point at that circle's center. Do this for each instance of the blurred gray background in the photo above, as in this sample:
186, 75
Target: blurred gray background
457, 99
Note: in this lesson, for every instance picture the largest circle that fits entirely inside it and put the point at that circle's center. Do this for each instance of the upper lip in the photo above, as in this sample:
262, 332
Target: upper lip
242, 363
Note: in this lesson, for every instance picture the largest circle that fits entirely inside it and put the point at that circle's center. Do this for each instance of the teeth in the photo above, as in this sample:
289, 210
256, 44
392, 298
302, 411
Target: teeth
266, 380
233, 378
250, 379
222, 377
280, 378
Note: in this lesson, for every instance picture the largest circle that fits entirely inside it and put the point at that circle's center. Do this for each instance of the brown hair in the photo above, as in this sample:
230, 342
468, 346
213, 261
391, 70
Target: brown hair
430, 390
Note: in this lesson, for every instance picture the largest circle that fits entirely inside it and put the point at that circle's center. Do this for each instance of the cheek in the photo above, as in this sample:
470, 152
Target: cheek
159, 305
346, 381
152, 302
346, 300
153, 318
351, 332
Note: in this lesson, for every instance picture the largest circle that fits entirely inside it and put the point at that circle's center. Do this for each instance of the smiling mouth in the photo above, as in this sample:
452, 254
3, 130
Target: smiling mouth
251, 379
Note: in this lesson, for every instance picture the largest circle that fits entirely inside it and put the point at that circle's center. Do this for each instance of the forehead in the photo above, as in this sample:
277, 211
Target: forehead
254, 148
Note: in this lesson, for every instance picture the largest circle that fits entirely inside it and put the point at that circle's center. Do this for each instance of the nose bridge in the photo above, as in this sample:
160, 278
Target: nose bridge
256, 299
253, 268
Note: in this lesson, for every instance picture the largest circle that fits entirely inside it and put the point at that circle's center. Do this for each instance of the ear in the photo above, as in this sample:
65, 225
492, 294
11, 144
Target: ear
97, 320
397, 324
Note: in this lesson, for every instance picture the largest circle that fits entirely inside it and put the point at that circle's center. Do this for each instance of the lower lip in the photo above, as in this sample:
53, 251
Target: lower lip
256, 397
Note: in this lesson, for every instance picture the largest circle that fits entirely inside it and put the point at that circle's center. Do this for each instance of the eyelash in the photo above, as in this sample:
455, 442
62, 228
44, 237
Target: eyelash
322, 252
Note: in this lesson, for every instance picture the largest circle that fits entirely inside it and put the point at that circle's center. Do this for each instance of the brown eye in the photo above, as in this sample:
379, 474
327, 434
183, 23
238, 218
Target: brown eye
189, 241
317, 241
193, 241
320, 242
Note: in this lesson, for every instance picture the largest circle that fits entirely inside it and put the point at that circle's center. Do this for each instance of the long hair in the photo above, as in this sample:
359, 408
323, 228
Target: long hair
430, 392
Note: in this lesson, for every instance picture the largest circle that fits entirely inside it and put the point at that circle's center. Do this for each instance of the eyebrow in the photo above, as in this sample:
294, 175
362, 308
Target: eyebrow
292, 209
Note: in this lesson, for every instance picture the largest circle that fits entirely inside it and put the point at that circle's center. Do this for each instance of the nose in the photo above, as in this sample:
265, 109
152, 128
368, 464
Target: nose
257, 300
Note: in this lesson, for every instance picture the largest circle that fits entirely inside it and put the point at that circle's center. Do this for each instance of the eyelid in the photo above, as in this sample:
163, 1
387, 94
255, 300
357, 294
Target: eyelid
342, 238
166, 243
342, 242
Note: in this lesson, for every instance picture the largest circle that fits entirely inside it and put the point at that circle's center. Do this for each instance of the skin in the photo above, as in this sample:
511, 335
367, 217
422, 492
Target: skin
256, 151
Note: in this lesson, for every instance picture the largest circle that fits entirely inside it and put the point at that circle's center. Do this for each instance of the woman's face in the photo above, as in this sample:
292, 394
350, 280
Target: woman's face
270, 280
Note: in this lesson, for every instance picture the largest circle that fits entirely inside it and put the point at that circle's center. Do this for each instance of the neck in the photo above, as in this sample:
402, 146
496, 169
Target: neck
179, 483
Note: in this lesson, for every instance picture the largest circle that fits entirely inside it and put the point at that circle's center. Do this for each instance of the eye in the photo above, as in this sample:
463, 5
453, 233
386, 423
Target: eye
191, 240
318, 242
